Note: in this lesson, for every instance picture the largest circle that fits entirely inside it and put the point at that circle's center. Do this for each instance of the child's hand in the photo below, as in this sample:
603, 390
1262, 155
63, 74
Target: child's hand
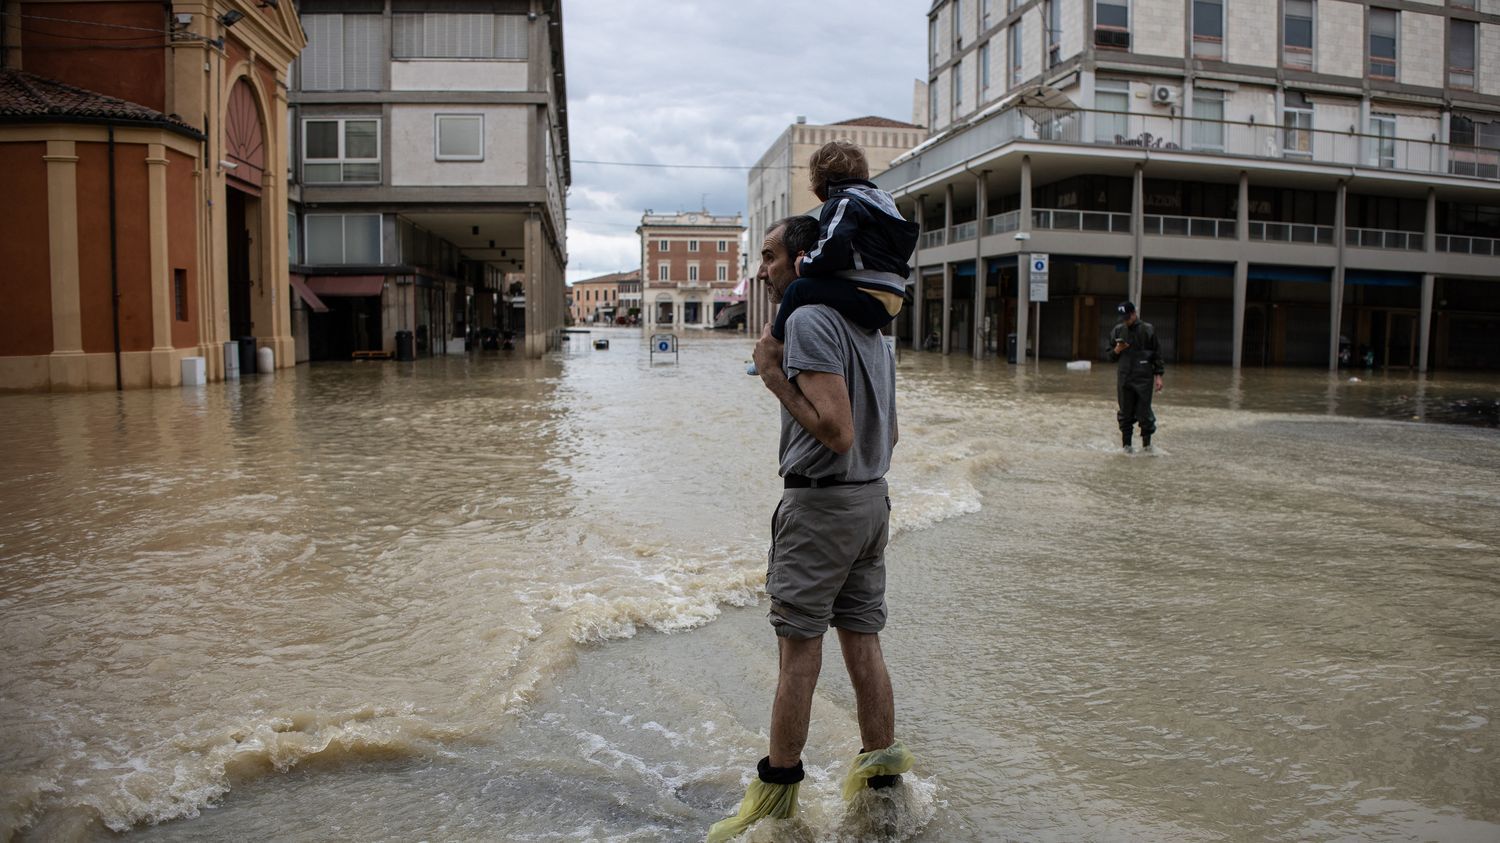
798, 265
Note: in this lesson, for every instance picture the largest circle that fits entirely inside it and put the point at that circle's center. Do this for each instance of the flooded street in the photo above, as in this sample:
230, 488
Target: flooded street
497, 599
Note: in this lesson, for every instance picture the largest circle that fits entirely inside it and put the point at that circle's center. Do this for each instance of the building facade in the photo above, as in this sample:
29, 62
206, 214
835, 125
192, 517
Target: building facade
689, 268
1272, 181
597, 301
144, 214
429, 169
778, 185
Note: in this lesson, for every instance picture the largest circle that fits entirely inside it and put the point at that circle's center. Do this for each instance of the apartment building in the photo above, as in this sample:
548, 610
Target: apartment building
690, 262
597, 300
1274, 182
778, 187
429, 165
142, 216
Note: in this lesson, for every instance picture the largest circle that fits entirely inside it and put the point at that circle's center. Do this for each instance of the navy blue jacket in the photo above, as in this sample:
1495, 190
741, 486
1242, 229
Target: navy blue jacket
863, 238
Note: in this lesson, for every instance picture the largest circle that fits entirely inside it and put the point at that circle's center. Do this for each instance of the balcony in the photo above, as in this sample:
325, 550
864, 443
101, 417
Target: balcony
1105, 222
1291, 232
1377, 238
1188, 136
1002, 223
1482, 246
964, 231
1173, 226
932, 239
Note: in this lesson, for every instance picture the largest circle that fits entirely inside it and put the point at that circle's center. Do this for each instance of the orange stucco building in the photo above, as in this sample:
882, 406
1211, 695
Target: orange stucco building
144, 215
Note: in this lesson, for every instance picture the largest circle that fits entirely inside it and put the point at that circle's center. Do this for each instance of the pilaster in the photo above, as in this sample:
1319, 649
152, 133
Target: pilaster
66, 366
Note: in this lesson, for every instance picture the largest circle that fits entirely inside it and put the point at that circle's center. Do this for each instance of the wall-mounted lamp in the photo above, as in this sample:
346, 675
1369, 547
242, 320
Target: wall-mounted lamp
231, 17
272, 3
228, 165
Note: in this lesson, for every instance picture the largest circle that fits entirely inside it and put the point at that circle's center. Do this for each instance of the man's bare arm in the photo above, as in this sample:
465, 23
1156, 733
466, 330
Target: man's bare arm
819, 401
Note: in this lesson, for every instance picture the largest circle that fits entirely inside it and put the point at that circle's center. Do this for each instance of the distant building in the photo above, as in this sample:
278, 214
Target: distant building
430, 164
1272, 181
143, 213
689, 266
597, 300
778, 185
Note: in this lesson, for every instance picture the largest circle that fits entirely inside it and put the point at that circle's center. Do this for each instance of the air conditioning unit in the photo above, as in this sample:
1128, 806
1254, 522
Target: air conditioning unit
1163, 94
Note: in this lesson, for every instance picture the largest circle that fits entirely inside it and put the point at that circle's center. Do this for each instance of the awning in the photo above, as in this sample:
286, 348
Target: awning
306, 294
1381, 278
1201, 269
1295, 274
346, 285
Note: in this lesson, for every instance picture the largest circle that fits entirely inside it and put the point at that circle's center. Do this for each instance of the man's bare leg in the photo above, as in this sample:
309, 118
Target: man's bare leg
801, 660
875, 703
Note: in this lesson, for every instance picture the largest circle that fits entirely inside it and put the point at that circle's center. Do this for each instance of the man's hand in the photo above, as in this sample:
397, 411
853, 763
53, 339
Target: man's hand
767, 353
1120, 346
1158, 383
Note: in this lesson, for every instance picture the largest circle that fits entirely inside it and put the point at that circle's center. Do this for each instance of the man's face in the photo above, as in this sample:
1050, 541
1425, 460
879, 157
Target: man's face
776, 266
1131, 317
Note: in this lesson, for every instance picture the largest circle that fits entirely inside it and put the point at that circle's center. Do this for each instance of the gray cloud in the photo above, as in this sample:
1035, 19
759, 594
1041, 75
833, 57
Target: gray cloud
713, 83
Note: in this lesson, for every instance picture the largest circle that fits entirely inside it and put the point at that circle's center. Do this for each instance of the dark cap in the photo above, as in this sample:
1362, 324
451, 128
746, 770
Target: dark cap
1125, 308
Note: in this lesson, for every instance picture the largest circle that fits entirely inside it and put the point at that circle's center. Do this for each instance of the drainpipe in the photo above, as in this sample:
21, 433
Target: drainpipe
114, 262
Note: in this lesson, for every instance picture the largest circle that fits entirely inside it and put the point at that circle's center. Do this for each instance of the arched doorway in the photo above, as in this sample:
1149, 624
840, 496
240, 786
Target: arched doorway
250, 297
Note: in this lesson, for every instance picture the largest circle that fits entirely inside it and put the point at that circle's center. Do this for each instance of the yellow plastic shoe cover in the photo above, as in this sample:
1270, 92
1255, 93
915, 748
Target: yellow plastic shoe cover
891, 761
762, 799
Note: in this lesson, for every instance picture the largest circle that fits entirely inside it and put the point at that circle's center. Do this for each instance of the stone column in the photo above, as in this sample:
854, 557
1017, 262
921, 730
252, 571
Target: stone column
65, 367
1138, 227
1023, 265
981, 210
536, 334
917, 329
947, 341
1424, 335
163, 296
1241, 268
1336, 285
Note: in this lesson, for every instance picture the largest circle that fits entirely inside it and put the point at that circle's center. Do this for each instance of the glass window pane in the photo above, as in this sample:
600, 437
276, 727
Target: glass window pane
321, 173
362, 238
325, 239
460, 137
1383, 23
322, 139
361, 139
1112, 14
1208, 18
1299, 32
362, 172
1461, 48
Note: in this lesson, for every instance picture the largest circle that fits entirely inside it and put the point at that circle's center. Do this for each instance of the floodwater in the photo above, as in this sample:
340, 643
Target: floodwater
497, 599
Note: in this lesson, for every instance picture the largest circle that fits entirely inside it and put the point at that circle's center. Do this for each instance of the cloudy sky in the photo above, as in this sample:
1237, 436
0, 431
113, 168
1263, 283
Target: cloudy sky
713, 82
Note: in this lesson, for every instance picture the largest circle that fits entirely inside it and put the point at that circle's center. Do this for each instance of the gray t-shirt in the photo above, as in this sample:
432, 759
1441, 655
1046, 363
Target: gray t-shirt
819, 339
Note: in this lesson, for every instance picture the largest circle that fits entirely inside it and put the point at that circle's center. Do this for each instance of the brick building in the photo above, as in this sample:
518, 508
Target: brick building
690, 266
598, 300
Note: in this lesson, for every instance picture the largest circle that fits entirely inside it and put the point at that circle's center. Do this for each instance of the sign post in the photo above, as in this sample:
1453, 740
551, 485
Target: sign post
664, 344
1039, 265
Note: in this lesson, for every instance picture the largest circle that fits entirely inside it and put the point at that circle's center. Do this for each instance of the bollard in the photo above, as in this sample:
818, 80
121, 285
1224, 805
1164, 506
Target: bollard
232, 360
265, 361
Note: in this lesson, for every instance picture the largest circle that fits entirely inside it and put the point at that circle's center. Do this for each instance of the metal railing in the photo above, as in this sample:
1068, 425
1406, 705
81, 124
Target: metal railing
1173, 226
964, 231
1292, 232
1106, 222
1003, 223
932, 239
1380, 238
1187, 135
1456, 244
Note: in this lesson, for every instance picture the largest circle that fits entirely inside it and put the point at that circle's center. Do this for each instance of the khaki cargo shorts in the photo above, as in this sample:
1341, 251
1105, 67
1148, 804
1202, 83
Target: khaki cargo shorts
827, 560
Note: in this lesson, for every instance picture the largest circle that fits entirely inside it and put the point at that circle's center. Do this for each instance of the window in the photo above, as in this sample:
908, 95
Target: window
661, 271
1297, 44
343, 239
1383, 144
958, 85
932, 39
984, 69
1461, 35
1384, 24
1297, 121
984, 14
1208, 116
1462, 4
664, 245
1114, 97
445, 35
293, 254
460, 137
721, 271
344, 53
1112, 24
179, 294
723, 245
1054, 33
340, 151
1208, 29
932, 104
692, 245
1015, 54
692, 272
958, 23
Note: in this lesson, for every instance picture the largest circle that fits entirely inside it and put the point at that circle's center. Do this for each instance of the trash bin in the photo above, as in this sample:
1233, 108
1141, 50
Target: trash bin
404, 346
1010, 348
247, 356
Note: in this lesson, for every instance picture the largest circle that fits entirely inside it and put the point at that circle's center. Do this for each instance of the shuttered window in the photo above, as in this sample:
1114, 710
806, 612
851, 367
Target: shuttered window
344, 53
343, 238
445, 35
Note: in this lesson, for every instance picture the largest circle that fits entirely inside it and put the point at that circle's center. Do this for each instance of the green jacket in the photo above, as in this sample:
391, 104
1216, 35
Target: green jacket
1142, 360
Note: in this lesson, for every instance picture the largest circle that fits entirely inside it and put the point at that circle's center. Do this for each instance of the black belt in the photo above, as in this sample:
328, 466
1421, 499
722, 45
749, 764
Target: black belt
798, 481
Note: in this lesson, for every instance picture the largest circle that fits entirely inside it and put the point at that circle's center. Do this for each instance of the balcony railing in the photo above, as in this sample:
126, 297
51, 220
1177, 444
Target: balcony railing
964, 231
1455, 244
1291, 232
1172, 226
1379, 238
1186, 135
932, 239
1002, 223
1108, 222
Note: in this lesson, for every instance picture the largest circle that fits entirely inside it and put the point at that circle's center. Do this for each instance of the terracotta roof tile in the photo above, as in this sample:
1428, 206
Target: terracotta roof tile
31, 98
877, 122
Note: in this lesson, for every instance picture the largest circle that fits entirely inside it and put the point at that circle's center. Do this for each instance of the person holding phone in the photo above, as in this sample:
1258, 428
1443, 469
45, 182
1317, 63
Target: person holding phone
1135, 351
